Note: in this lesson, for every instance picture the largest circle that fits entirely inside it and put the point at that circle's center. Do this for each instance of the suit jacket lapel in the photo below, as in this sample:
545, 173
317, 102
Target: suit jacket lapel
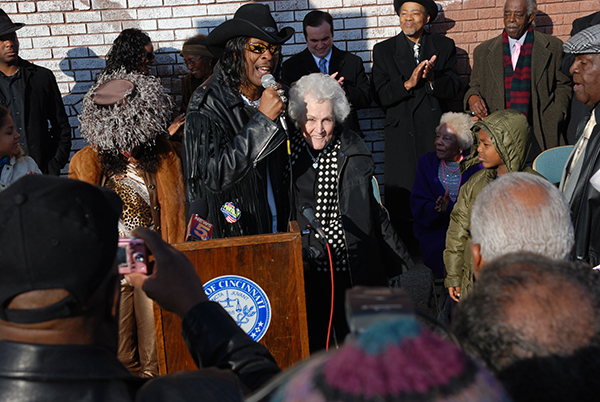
540, 56
308, 62
495, 60
427, 48
403, 57
336, 63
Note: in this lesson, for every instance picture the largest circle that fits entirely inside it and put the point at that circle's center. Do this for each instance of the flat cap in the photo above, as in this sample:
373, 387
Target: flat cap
584, 42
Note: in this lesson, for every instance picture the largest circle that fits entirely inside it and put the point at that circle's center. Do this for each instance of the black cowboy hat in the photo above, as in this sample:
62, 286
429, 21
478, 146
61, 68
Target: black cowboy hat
429, 5
6, 25
253, 20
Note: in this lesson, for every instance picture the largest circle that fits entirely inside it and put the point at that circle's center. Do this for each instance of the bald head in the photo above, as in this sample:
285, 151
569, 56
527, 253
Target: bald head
526, 306
520, 212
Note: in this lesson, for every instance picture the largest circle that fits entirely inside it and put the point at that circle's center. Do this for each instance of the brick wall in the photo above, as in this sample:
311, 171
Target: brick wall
71, 37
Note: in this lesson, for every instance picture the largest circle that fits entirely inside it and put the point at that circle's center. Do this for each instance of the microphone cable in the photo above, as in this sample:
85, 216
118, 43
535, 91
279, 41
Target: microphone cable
332, 294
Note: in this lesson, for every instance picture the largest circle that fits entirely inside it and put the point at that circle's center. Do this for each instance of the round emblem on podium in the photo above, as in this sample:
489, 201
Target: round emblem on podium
244, 300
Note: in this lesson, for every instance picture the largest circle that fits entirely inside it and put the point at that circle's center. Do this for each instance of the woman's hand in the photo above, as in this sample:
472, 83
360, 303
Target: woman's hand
454, 292
176, 125
441, 204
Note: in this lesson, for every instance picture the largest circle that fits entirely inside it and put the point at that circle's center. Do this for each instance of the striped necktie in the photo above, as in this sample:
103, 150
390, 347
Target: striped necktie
322, 65
416, 49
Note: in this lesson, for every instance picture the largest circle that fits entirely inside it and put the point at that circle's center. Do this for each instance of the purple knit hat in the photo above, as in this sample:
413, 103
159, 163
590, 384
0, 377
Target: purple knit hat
393, 361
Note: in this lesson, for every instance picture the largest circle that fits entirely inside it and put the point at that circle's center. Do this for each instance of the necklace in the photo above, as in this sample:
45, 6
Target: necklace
315, 164
451, 173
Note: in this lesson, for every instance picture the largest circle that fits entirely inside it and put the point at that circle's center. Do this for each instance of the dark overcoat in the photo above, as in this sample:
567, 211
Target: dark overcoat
47, 126
411, 116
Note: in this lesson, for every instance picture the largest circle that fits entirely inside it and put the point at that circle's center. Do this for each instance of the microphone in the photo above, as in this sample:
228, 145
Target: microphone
199, 228
267, 81
314, 223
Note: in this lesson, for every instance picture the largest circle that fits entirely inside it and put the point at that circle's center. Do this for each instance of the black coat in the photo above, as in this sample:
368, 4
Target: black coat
356, 84
374, 249
46, 123
585, 202
87, 373
227, 147
411, 116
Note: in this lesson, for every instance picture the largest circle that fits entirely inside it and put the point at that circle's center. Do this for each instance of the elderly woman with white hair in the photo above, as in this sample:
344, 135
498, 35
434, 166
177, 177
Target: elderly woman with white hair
437, 185
331, 172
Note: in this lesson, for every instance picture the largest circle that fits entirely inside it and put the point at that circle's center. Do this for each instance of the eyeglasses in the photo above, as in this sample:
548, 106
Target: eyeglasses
259, 48
149, 56
192, 62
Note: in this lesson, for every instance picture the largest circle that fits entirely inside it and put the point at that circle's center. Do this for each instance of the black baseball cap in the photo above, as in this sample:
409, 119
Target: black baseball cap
55, 233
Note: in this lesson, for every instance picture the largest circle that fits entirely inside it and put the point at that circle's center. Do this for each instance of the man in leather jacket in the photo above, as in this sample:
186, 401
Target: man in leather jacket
234, 146
59, 322
579, 182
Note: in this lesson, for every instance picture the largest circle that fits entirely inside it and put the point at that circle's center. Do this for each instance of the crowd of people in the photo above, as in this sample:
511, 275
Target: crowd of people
516, 253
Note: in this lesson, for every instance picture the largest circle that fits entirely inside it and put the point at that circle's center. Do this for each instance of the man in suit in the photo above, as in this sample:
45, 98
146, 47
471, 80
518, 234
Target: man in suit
321, 55
579, 183
414, 74
578, 109
520, 69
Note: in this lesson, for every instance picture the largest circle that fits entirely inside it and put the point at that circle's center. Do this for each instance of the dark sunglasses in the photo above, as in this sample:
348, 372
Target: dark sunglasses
259, 48
149, 56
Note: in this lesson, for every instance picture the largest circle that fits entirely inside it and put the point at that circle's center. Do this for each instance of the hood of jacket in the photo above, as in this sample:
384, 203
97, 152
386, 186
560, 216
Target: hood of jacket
510, 135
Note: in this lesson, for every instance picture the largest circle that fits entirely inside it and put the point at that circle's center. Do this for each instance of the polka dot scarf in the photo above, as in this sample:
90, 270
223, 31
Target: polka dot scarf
326, 198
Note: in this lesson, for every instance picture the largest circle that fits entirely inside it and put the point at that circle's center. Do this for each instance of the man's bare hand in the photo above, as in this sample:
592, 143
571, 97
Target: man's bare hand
416, 75
173, 284
477, 106
428, 70
339, 80
271, 104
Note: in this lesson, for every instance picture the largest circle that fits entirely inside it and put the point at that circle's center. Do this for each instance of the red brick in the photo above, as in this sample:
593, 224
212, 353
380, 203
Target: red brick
562, 8
477, 4
488, 13
589, 6
442, 28
462, 15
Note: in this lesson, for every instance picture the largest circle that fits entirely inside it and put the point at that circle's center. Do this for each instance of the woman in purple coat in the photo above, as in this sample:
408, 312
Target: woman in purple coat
437, 185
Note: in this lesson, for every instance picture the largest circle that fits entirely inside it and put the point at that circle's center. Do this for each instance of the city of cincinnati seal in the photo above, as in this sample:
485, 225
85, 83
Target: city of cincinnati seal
244, 300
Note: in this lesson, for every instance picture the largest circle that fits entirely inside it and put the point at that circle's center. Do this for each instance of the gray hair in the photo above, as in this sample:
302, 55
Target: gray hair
502, 222
461, 123
531, 7
561, 301
322, 87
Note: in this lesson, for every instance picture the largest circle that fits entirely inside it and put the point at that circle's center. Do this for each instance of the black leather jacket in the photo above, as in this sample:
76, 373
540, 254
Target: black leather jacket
227, 147
375, 252
585, 202
91, 373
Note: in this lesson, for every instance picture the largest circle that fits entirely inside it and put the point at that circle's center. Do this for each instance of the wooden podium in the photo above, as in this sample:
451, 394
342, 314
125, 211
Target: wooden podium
274, 262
